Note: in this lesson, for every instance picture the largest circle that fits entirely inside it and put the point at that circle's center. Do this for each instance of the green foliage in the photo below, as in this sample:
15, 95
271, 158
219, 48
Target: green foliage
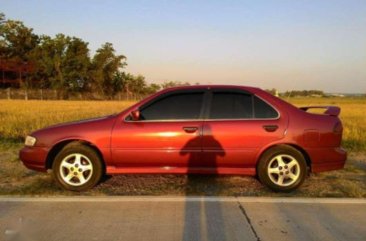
272, 91
76, 64
135, 84
152, 88
16, 40
63, 63
313, 93
104, 70
169, 84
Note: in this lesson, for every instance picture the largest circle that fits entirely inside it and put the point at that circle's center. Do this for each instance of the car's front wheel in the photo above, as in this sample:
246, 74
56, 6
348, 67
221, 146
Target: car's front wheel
282, 168
77, 167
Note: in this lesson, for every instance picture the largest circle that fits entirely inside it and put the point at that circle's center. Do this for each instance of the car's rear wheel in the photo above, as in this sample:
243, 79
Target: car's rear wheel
282, 168
77, 167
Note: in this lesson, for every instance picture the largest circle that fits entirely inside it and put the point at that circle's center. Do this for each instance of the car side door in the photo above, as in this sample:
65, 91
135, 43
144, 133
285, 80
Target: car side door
167, 136
237, 125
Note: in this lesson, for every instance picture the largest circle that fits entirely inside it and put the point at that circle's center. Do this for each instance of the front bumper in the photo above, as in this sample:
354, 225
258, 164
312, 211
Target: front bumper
327, 159
34, 157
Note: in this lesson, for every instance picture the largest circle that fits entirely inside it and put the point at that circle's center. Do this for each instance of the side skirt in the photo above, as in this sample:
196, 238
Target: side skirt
180, 170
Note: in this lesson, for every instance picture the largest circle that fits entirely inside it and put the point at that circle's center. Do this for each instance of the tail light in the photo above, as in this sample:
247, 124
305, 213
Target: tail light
338, 128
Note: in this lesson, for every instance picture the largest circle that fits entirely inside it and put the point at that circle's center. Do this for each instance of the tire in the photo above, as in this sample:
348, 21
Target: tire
77, 167
282, 168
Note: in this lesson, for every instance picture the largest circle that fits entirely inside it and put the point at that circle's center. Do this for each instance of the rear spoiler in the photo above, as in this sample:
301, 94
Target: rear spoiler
329, 110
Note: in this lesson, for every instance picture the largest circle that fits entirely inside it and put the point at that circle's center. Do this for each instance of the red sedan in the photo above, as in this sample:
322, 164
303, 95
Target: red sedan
194, 129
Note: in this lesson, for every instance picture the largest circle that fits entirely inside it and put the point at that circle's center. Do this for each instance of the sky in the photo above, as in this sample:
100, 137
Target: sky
282, 44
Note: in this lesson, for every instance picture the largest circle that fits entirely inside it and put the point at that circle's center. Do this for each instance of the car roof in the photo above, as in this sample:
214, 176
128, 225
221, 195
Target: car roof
191, 87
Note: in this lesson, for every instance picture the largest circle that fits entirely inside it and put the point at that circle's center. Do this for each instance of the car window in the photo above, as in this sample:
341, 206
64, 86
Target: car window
263, 110
231, 105
175, 106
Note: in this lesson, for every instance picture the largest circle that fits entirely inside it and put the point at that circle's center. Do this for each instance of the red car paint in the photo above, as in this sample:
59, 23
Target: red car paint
196, 146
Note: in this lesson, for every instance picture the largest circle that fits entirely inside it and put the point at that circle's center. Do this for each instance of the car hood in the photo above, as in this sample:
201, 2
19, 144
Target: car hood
80, 122
87, 129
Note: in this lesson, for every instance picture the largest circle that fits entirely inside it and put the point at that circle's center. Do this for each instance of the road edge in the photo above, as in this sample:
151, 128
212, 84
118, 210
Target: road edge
184, 199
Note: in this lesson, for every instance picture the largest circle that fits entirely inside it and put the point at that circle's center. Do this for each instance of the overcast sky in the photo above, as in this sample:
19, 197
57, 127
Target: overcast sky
271, 44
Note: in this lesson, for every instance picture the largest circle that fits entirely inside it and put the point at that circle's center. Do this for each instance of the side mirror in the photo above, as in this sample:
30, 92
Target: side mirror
135, 114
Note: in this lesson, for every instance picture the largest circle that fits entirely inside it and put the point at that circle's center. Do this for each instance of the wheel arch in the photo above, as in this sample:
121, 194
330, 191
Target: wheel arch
297, 147
60, 145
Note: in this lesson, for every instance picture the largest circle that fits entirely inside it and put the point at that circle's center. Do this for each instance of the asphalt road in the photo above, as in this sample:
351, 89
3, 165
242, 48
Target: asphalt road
181, 218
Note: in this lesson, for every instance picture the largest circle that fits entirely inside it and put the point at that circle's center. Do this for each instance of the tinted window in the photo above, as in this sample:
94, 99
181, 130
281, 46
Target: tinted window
263, 110
176, 106
231, 105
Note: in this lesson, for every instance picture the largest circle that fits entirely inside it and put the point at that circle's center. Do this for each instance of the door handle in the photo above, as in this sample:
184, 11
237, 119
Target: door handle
190, 129
270, 128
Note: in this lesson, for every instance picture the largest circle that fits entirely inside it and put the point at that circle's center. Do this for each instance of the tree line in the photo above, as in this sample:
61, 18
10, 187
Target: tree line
297, 93
294, 93
64, 63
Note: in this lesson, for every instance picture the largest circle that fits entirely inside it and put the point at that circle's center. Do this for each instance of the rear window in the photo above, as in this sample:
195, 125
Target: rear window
263, 110
234, 105
226, 105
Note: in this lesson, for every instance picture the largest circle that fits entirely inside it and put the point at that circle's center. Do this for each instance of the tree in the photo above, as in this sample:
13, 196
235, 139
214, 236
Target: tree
76, 64
2, 18
16, 43
169, 84
16, 39
49, 57
62, 63
2, 40
58, 56
152, 88
272, 91
293, 93
42, 57
117, 83
137, 84
104, 68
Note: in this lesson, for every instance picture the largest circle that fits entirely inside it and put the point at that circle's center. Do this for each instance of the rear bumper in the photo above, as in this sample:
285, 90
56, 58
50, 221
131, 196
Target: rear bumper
34, 158
327, 159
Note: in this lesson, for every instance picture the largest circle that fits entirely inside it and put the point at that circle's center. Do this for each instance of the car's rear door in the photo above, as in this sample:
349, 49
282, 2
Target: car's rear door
167, 136
238, 124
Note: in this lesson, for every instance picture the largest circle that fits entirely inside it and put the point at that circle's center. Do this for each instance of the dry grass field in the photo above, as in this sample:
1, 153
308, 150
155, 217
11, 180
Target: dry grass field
18, 118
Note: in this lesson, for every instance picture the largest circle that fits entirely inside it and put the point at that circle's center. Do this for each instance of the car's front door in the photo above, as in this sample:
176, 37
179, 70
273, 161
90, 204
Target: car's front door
167, 136
237, 125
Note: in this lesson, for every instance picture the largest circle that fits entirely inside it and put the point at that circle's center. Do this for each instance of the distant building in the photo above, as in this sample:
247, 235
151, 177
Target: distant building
316, 95
336, 95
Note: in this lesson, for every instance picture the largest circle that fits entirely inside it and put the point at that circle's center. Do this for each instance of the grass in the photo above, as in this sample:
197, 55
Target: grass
18, 118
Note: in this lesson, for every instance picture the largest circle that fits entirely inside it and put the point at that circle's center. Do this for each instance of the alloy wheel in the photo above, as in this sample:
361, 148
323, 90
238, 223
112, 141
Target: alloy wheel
283, 170
76, 169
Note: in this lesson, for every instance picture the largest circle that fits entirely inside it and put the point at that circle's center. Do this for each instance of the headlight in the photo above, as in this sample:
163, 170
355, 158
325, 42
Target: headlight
30, 141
